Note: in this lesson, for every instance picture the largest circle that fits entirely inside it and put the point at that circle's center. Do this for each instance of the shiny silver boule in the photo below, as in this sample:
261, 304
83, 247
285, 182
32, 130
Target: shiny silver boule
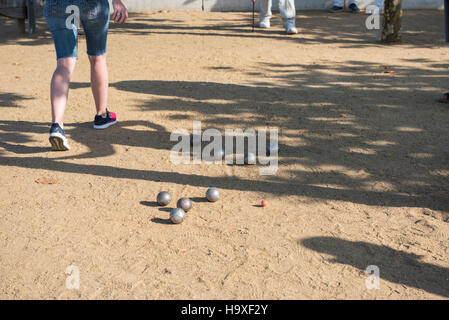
212, 194
250, 158
163, 198
185, 204
177, 215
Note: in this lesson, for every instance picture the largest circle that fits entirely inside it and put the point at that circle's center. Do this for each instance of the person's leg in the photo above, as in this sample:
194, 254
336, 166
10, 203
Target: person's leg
99, 82
65, 40
59, 88
96, 24
287, 9
288, 14
95, 20
337, 6
352, 5
339, 3
265, 13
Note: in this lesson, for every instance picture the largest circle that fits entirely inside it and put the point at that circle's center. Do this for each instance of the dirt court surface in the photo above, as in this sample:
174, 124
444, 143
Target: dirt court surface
362, 180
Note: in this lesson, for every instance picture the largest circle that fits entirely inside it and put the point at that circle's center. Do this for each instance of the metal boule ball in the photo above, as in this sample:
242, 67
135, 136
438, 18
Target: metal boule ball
163, 198
212, 194
185, 204
177, 215
250, 158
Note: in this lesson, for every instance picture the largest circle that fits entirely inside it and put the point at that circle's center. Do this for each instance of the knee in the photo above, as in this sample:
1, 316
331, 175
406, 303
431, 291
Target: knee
97, 60
66, 66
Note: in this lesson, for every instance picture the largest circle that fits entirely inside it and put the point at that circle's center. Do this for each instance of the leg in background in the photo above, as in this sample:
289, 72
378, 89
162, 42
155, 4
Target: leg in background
339, 3
352, 5
60, 88
288, 14
99, 82
287, 9
265, 13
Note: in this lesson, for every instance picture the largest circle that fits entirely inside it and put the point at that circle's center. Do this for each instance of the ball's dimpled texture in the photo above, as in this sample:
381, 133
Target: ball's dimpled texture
163, 198
177, 215
250, 158
185, 204
212, 194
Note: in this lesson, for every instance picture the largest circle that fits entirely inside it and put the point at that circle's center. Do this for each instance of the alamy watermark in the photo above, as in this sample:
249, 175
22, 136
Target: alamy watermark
189, 148
72, 282
373, 21
73, 20
372, 282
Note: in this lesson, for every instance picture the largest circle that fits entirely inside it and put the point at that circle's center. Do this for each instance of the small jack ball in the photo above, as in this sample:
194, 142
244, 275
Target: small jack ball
177, 215
264, 203
163, 198
212, 194
185, 204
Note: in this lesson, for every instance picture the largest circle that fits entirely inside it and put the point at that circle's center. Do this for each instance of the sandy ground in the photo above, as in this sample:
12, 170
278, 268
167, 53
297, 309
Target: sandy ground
362, 179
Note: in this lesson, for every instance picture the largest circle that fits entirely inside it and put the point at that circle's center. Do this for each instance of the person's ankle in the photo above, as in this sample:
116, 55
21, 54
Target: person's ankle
102, 113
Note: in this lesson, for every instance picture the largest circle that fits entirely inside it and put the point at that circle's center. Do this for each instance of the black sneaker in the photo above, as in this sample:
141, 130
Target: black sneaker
105, 122
353, 8
335, 9
57, 138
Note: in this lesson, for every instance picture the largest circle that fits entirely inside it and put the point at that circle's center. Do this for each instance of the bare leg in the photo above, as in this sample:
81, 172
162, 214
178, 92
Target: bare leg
60, 88
99, 82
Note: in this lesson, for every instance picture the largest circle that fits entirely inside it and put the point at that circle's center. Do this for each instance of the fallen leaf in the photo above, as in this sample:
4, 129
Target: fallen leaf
44, 180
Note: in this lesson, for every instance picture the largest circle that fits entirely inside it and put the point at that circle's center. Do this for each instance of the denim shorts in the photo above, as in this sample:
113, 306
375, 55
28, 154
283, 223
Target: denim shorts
64, 17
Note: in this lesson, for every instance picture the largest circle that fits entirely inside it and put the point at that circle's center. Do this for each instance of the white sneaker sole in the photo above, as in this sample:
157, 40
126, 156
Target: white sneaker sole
58, 142
292, 31
264, 24
104, 126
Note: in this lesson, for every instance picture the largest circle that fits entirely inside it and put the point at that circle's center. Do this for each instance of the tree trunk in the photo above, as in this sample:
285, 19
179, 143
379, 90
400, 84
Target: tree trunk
391, 31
